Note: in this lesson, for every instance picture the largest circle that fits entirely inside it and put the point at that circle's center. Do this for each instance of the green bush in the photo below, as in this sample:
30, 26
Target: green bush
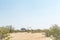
47, 32
54, 31
4, 32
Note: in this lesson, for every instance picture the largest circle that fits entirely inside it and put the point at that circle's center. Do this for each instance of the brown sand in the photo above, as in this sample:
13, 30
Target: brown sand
28, 36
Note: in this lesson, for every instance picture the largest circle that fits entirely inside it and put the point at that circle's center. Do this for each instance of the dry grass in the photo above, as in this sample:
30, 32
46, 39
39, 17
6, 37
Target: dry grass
28, 36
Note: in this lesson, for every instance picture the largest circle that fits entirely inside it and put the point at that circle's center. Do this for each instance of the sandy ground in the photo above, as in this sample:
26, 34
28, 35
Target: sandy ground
28, 36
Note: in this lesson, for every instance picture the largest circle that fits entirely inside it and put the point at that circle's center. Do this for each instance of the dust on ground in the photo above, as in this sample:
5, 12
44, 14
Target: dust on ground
28, 36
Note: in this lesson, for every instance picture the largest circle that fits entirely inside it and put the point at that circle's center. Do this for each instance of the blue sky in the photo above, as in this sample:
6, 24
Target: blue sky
30, 13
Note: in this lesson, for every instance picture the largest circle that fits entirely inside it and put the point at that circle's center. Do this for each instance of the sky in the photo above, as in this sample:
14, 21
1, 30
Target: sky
37, 14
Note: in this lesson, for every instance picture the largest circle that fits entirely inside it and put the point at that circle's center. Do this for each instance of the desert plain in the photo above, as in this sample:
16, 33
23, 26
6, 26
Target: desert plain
28, 36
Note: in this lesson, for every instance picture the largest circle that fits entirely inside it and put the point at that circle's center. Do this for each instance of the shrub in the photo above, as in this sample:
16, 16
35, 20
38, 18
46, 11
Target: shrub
3, 32
10, 28
54, 31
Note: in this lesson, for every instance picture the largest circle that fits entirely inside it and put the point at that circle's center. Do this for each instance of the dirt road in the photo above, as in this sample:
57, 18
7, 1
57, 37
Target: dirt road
28, 36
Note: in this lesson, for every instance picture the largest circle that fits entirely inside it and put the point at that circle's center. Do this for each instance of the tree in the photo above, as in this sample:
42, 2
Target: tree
10, 28
23, 29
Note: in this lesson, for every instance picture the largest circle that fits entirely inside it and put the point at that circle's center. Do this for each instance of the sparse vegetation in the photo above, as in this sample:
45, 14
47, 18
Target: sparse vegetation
54, 31
4, 32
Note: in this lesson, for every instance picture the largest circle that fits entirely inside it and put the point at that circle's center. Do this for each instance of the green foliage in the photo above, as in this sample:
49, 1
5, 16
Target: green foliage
7, 38
10, 28
36, 31
54, 31
3, 32
47, 32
